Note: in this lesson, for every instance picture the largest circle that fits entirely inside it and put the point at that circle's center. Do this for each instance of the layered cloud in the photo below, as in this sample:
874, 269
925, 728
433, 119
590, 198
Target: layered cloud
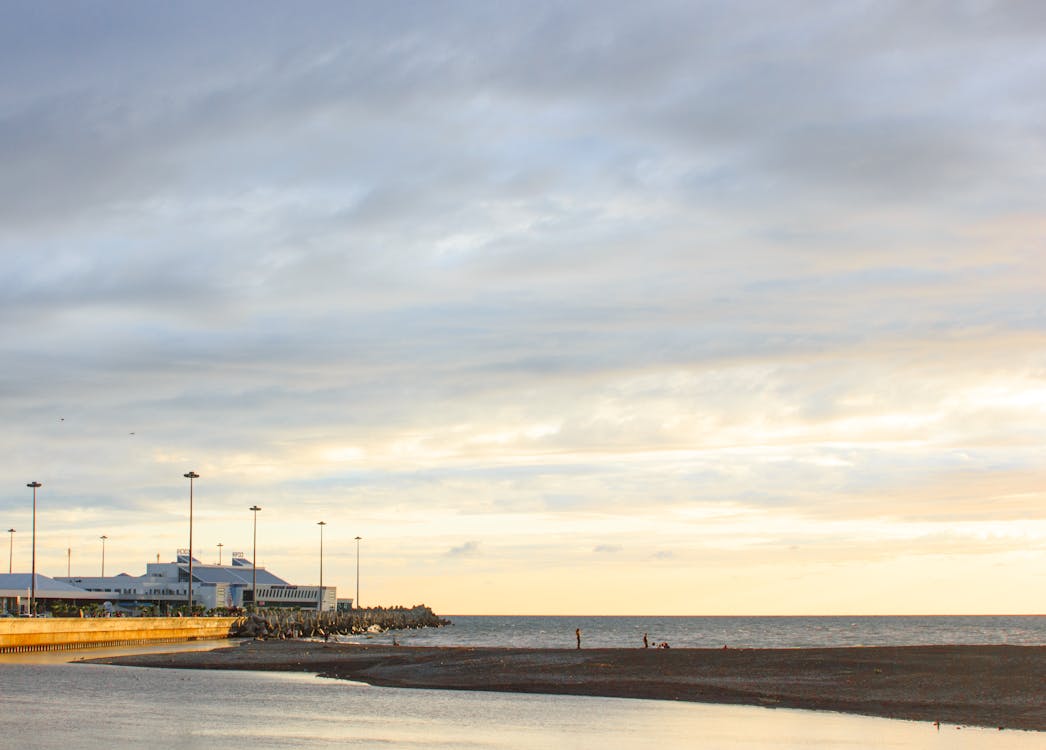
521, 282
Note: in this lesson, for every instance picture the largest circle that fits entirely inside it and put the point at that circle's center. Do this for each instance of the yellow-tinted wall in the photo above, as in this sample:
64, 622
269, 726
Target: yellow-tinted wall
57, 633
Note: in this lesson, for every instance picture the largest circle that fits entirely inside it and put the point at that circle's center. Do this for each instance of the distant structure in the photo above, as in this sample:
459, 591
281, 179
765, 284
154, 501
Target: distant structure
165, 587
15, 589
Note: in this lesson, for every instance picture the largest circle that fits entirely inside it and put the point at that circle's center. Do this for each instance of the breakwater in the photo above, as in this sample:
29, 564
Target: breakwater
60, 633
284, 624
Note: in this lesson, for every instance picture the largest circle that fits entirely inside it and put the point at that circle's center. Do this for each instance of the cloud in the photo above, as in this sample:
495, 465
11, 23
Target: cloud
564, 270
468, 549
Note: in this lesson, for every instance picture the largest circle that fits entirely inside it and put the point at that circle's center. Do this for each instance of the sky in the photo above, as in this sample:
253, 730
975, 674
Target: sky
682, 308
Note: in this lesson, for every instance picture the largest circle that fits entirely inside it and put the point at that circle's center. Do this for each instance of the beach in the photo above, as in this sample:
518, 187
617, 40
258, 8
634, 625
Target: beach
992, 686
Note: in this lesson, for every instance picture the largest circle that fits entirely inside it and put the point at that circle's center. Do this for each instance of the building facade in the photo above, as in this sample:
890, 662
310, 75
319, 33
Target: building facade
16, 591
165, 587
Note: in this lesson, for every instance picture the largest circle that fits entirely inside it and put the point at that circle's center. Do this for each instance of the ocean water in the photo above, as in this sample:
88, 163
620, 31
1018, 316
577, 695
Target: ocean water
716, 632
89, 707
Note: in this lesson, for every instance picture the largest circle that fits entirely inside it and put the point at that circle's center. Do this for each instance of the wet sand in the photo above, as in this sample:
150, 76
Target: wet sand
994, 686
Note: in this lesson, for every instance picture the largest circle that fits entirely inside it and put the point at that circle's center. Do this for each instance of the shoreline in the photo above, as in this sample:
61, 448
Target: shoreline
990, 686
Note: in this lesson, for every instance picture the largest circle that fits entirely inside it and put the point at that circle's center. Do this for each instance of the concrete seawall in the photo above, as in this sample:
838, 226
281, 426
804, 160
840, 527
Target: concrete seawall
59, 633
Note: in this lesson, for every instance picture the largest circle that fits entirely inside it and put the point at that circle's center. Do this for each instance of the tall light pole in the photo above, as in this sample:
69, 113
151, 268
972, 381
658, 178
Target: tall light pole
254, 561
103, 537
319, 607
358, 571
220, 545
190, 476
11, 551
32, 594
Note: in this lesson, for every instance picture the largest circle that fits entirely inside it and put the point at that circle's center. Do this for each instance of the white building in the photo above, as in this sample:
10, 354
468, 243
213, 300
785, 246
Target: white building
16, 589
165, 585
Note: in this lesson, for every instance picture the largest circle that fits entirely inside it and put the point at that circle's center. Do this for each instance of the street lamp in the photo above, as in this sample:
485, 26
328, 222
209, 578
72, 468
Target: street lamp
321, 524
103, 537
358, 571
190, 476
254, 561
220, 545
11, 551
32, 595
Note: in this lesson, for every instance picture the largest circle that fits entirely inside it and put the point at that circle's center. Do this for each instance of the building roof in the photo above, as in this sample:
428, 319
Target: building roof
239, 574
19, 584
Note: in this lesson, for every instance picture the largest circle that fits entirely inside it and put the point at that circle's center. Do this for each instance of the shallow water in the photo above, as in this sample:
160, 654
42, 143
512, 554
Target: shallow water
92, 706
73, 655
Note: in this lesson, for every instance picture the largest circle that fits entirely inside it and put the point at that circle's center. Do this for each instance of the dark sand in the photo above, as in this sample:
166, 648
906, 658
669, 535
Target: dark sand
995, 686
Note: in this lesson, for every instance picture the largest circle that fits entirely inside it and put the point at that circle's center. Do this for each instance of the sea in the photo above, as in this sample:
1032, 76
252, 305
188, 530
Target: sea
716, 632
48, 701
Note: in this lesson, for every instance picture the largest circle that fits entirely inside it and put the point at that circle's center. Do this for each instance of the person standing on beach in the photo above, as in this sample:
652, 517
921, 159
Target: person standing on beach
646, 643
578, 634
